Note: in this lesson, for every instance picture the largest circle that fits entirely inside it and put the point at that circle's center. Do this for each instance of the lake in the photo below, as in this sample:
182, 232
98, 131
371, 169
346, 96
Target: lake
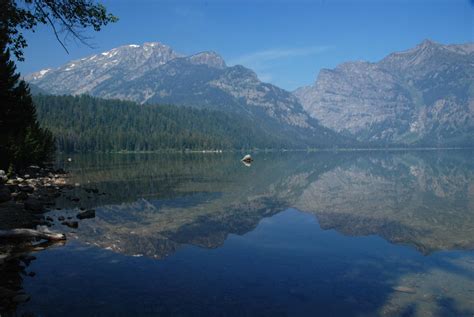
346, 233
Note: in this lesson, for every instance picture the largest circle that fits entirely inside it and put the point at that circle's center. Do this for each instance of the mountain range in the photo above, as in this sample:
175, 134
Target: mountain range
420, 97
154, 73
423, 96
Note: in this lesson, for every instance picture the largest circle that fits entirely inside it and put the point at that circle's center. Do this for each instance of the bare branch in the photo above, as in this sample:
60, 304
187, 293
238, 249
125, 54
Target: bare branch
52, 25
69, 26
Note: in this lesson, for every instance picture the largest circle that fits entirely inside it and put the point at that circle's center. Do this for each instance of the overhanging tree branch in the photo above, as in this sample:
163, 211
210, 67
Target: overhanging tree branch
72, 16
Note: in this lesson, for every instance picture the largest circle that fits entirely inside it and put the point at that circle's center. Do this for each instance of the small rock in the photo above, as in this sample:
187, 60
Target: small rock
247, 158
61, 218
71, 224
34, 205
13, 182
86, 214
76, 199
49, 219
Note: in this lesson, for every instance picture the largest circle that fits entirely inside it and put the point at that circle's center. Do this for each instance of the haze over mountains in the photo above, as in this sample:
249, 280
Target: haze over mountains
420, 97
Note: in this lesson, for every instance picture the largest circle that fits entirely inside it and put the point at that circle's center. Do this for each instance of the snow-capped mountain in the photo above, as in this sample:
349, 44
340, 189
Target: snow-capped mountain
154, 73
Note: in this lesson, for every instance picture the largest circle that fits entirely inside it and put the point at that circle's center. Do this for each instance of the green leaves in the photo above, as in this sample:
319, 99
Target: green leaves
68, 17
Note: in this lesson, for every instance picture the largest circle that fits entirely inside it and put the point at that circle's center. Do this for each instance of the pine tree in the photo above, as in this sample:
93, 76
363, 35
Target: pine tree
22, 140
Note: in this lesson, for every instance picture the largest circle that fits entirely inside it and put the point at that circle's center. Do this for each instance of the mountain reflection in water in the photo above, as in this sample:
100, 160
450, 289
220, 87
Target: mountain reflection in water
366, 233
157, 203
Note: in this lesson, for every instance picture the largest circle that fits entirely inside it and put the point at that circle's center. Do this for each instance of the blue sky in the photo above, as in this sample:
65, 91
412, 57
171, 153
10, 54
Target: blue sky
286, 42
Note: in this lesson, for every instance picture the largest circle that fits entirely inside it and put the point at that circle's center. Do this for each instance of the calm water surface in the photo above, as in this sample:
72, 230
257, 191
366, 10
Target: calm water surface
295, 234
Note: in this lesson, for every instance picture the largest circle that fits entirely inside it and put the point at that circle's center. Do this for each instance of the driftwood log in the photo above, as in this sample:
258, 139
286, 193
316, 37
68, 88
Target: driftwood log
30, 234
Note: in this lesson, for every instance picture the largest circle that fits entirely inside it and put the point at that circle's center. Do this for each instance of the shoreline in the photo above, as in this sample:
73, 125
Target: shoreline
27, 196
310, 150
25, 199
24, 203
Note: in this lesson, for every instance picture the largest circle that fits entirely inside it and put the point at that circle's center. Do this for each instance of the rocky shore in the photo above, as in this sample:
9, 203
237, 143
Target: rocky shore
25, 198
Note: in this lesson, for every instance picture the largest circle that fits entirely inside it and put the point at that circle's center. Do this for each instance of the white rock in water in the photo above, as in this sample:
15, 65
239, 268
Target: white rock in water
69, 159
247, 158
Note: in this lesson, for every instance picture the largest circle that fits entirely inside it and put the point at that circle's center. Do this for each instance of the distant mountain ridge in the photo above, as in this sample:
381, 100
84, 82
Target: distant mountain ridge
154, 73
422, 96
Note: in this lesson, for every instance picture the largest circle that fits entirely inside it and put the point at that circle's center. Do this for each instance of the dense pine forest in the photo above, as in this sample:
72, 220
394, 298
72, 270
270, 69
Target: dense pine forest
88, 124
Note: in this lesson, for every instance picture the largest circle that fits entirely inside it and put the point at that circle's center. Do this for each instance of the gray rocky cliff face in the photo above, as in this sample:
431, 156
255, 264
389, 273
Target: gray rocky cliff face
83, 75
422, 96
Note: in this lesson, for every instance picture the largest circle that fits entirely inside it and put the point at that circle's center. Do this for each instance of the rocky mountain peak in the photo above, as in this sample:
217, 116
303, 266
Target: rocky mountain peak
209, 58
418, 96
427, 43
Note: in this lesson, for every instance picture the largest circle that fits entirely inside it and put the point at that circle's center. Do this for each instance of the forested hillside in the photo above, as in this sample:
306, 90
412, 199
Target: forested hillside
87, 124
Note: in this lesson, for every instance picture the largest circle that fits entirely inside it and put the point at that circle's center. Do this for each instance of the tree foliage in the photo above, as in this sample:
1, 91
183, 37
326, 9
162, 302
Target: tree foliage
67, 17
22, 140
88, 124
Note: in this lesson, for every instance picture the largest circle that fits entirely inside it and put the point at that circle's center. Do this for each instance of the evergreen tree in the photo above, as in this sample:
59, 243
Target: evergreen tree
22, 140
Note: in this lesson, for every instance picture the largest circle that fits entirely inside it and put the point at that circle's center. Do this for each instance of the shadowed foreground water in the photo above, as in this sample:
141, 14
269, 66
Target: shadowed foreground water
295, 234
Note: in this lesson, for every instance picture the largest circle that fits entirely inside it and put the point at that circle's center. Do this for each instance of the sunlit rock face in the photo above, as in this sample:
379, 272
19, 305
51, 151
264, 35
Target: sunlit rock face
422, 96
86, 74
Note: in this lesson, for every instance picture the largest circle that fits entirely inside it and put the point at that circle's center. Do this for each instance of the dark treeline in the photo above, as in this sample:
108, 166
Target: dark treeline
22, 140
88, 124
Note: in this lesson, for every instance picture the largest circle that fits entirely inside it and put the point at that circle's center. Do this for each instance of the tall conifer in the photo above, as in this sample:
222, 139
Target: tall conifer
22, 140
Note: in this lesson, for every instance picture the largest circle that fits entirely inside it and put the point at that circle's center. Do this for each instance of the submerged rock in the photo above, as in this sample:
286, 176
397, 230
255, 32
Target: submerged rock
71, 224
86, 214
5, 194
34, 205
